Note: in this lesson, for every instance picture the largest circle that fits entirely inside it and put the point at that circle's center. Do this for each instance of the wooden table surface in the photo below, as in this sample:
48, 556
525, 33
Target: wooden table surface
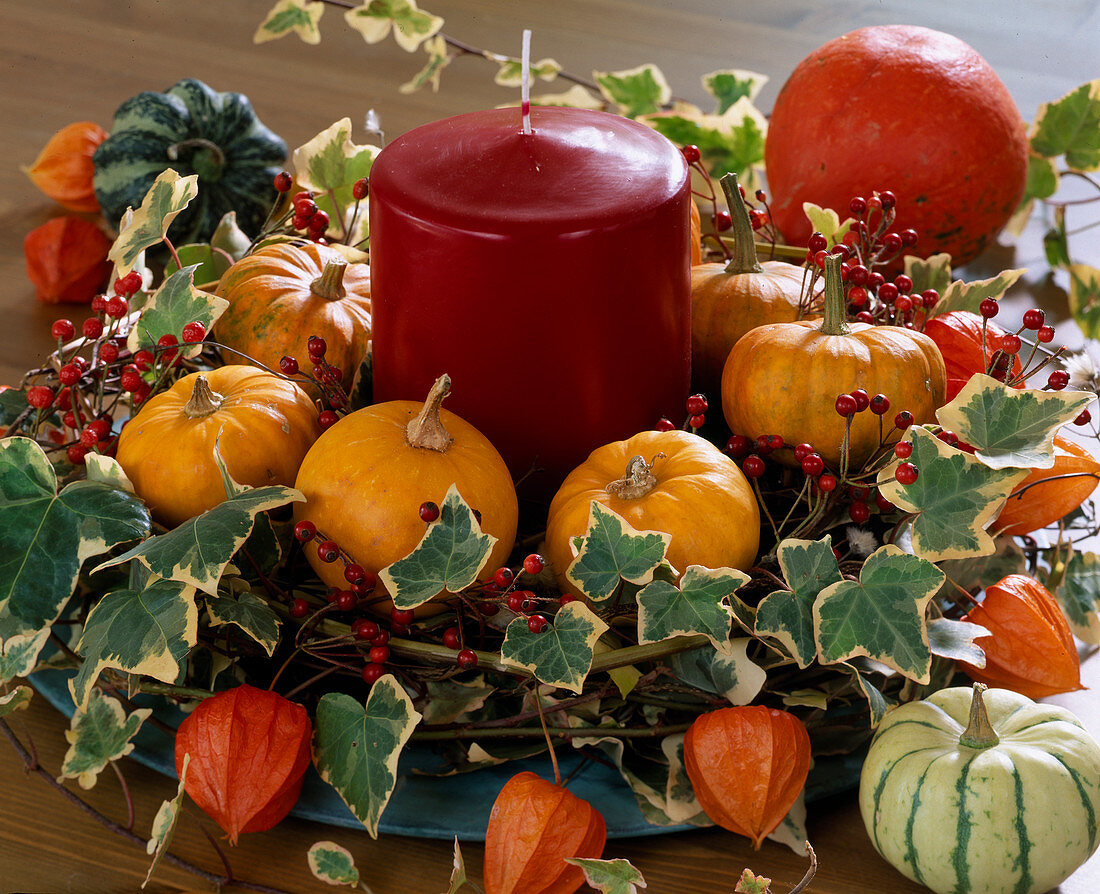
78, 59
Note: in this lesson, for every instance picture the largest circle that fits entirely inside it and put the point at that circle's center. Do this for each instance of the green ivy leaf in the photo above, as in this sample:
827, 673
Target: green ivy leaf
438, 59
356, 747
1084, 298
15, 699
447, 559
332, 863
955, 640
198, 551
933, 272
19, 653
230, 238
411, 26
175, 304
561, 654
1042, 178
47, 535
610, 876
968, 295
729, 672
1010, 427
99, 733
147, 631
636, 91
882, 615
164, 823
458, 871
955, 495
301, 17
698, 605
167, 197
1056, 241
730, 142
250, 614
611, 550
809, 566
331, 160
827, 222
106, 470
1070, 126
877, 703
510, 73
1079, 596
208, 264
731, 84
449, 699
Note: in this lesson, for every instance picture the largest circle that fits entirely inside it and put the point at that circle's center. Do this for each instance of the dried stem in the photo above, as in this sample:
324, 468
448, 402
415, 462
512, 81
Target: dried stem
810, 872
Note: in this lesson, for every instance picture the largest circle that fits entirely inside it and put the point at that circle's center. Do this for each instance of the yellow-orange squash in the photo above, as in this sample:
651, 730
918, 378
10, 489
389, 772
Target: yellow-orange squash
367, 475
1047, 495
695, 227
783, 379
674, 482
263, 426
282, 294
727, 300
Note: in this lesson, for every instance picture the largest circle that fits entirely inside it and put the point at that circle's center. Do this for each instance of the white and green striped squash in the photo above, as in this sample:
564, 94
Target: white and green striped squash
968, 793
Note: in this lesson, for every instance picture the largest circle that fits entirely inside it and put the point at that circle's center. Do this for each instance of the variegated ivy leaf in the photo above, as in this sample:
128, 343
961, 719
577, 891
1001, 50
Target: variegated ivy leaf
877, 703
955, 495
438, 59
730, 142
610, 876
881, 615
1079, 596
955, 640
729, 672
147, 631
731, 84
1042, 181
1010, 427
356, 747
791, 831
331, 160
229, 238
411, 26
827, 222
751, 883
968, 295
198, 551
301, 17
249, 613
447, 559
977, 573
510, 73
175, 304
164, 823
106, 470
48, 535
15, 699
167, 197
458, 871
449, 699
681, 804
698, 605
1084, 298
99, 733
612, 551
636, 91
809, 566
209, 264
19, 653
576, 97
561, 654
332, 863
1070, 126
933, 272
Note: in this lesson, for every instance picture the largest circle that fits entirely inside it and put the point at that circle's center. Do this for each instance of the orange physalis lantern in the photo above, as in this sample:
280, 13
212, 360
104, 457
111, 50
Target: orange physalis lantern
1047, 495
67, 260
249, 752
534, 827
747, 766
64, 169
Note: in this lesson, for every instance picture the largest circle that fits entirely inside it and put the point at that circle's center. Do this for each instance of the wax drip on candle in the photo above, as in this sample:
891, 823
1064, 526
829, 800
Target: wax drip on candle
525, 87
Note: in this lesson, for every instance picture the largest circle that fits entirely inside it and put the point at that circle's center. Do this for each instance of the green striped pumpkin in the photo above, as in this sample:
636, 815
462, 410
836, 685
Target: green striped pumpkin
1012, 812
193, 130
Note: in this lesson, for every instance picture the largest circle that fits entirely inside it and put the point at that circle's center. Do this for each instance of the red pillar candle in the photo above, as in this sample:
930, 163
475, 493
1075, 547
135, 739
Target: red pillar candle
546, 273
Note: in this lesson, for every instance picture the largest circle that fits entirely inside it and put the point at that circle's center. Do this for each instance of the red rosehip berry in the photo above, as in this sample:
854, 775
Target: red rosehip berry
1084, 418
909, 237
723, 220
1034, 318
691, 153
194, 331
76, 454
827, 482
359, 189
753, 466
63, 329
813, 465
905, 474
372, 673
859, 512
299, 608
879, 404
316, 346
1058, 380
1045, 334
144, 361
697, 404
89, 437
365, 584
817, 243
566, 598
861, 399
801, 451
1010, 343
697, 421
903, 303
903, 449
429, 511
949, 438
127, 286
402, 616
503, 577
738, 446
846, 405
857, 296
534, 563
466, 659
858, 275
328, 551
305, 208
283, 181
380, 638
92, 327
903, 420
536, 623
69, 374
109, 351
989, 308
117, 307
888, 292
168, 341
515, 601
664, 424
929, 298
364, 629
452, 638
858, 205
305, 531
379, 654
346, 600
319, 222
864, 316
888, 199
40, 396
102, 427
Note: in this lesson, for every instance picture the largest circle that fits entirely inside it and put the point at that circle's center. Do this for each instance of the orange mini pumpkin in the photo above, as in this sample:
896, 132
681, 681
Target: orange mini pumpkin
262, 424
282, 294
674, 482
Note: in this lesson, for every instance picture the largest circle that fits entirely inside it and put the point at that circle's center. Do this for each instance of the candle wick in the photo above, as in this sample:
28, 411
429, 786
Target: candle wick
525, 86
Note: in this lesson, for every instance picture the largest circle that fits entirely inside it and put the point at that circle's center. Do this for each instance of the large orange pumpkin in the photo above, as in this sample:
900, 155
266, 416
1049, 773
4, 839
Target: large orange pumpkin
366, 477
674, 482
282, 294
262, 424
783, 379
906, 109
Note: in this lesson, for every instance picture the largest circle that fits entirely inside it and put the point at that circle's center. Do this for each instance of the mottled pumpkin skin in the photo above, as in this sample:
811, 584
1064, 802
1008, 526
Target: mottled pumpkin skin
901, 108
724, 306
263, 429
702, 500
784, 378
696, 229
364, 484
273, 311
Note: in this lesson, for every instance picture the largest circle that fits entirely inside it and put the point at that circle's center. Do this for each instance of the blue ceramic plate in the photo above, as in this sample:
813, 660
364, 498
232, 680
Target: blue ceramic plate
446, 806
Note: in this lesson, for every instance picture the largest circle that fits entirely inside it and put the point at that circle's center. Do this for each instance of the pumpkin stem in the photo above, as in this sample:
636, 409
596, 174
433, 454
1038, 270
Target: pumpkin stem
330, 284
426, 429
203, 401
979, 732
744, 258
637, 481
207, 160
836, 319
